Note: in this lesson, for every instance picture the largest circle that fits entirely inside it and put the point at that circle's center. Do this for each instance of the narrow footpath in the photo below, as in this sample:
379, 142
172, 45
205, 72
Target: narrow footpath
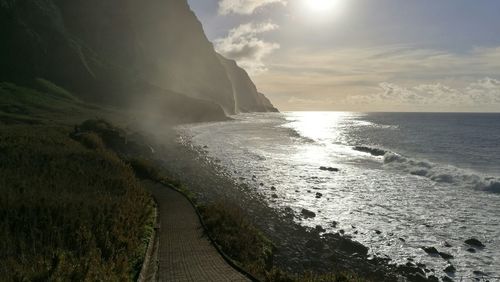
184, 252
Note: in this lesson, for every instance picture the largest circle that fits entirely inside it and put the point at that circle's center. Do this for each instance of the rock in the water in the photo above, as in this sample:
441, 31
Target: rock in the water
320, 228
445, 255
431, 250
446, 279
308, 213
402, 240
274, 196
433, 278
474, 242
334, 224
378, 232
341, 231
447, 245
450, 269
479, 273
273, 188
471, 250
319, 195
332, 169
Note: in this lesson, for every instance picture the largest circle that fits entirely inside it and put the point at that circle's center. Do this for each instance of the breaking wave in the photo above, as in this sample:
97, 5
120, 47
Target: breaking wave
436, 172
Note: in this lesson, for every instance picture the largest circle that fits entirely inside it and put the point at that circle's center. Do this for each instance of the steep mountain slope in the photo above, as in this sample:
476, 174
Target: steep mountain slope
121, 52
246, 96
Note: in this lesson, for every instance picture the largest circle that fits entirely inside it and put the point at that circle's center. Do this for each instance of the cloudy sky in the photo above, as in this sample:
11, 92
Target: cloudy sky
363, 55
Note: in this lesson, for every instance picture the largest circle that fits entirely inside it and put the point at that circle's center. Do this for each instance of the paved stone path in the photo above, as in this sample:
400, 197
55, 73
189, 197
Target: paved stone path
185, 254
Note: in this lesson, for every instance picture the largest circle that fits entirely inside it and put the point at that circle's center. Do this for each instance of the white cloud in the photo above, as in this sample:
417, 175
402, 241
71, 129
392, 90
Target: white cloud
383, 78
484, 93
245, 7
243, 45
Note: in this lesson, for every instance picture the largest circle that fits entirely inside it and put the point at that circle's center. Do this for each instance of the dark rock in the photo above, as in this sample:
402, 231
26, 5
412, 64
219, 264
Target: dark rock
320, 228
356, 232
471, 250
378, 232
261, 184
205, 147
273, 188
446, 279
430, 250
418, 277
318, 195
348, 246
402, 240
479, 273
274, 196
450, 269
447, 245
315, 244
445, 255
372, 151
334, 224
433, 278
332, 169
474, 242
341, 231
307, 213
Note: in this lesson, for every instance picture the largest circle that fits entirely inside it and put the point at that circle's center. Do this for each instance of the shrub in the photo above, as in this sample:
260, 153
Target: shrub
145, 169
67, 212
238, 238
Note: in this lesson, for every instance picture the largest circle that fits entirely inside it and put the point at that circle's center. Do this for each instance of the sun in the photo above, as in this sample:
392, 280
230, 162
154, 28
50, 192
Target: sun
321, 6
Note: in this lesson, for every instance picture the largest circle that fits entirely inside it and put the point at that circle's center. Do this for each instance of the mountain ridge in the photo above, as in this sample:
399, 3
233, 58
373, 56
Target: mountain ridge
119, 52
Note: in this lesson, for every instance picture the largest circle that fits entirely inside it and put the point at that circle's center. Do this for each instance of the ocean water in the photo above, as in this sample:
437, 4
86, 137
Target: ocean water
405, 180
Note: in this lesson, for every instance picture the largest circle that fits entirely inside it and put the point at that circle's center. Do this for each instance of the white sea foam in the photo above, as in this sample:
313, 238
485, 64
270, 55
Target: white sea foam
442, 173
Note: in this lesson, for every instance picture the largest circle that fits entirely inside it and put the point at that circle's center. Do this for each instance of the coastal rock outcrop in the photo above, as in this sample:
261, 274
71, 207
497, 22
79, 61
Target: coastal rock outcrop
474, 242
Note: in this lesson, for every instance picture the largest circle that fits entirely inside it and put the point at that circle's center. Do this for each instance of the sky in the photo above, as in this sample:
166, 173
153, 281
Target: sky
363, 55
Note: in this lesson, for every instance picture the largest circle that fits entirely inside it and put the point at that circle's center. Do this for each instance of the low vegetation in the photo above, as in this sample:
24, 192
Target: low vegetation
68, 211
251, 250
71, 207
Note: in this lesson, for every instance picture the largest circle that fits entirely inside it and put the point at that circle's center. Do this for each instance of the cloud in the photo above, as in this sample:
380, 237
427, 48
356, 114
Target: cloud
355, 78
245, 7
481, 94
243, 45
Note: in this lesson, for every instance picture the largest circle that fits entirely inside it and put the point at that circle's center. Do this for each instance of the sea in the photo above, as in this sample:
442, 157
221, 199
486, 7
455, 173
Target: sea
395, 182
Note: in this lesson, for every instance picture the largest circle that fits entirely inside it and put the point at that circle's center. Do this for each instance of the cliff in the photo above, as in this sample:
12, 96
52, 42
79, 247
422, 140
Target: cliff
121, 52
246, 96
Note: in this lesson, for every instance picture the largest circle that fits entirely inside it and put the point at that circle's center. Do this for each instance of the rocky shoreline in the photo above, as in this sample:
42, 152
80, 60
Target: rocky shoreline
299, 249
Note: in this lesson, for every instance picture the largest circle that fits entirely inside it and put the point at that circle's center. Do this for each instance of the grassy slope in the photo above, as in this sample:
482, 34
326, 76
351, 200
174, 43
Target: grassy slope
67, 211
73, 210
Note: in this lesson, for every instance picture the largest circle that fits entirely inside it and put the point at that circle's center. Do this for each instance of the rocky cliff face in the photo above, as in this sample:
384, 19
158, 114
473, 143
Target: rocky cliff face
108, 50
246, 96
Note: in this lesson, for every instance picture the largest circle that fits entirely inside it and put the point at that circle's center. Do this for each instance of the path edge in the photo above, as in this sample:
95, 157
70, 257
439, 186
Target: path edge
147, 263
226, 258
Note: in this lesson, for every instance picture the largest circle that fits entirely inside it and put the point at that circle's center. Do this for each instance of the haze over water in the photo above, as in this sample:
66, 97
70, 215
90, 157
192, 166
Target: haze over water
438, 179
